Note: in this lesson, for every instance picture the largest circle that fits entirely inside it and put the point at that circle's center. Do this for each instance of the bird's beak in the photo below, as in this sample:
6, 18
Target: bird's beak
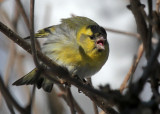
100, 43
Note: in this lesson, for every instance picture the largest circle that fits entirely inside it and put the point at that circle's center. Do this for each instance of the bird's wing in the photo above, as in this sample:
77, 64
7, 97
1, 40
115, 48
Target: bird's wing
44, 33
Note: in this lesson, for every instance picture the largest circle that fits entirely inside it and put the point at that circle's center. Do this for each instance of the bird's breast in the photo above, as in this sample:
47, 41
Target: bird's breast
83, 65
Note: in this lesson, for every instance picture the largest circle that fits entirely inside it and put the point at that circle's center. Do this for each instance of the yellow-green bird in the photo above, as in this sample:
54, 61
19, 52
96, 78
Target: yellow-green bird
78, 43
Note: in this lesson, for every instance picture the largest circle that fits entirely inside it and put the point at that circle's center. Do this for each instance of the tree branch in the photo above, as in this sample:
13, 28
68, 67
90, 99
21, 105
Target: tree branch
136, 8
133, 68
21, 9
77, 107
8, 97
33, 47
70, 100
142, 29
123, 32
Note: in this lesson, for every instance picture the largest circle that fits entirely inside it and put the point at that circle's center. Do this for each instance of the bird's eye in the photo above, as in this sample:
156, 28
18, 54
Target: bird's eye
92, 37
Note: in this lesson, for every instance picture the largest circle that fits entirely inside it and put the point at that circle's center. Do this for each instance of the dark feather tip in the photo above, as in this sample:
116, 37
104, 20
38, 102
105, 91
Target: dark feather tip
48, 88
17, 83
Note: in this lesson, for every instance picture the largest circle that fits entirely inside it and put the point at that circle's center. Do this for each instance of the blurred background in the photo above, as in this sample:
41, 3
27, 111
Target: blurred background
112, 14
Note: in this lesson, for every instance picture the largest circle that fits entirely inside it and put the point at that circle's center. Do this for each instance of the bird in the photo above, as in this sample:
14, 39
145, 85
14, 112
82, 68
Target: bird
78, 43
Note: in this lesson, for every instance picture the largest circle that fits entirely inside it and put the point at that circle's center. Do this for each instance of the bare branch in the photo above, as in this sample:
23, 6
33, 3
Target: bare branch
157, 6
136, 8
70, 100
94, 105
8, 97
29, 106
21, 9
33, 47
20, 72
11, 60
132, 69
140, 83
77, 107
142, 29
123, 32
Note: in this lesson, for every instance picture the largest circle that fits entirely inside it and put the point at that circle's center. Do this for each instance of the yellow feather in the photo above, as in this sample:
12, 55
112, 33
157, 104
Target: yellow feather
84, 30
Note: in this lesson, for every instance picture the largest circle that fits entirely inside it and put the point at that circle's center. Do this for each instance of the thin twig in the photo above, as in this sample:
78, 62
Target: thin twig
20, 72
16, 17
136, 8
10, 107
123, 32
138, 86
147, 18
77, 107
152, 57
29, 106
70, 100
11, 60
8, 97
56, 106
94, 105
26, 20
34, 53
102, 112
132, 69
130, 34
95, 108
21, 9
12, 48
12, 51
6, 19
157, 6
33, 47
154, 82
149, 42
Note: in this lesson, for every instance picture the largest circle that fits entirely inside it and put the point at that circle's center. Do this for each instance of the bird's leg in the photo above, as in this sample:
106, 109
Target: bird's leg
80, 79
89, 82
83, 80
67, 84
76, 77
63, 82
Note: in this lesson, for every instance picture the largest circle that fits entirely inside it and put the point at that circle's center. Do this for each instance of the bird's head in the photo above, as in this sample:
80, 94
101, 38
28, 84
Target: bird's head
93, 40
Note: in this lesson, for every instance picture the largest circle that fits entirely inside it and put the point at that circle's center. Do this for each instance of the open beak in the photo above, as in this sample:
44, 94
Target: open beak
100, 42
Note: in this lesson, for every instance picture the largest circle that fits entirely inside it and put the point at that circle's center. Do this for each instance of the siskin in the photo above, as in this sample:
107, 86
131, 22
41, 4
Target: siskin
78, 43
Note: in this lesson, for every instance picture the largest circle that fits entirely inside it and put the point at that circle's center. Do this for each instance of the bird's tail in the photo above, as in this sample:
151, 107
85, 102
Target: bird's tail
35, 77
